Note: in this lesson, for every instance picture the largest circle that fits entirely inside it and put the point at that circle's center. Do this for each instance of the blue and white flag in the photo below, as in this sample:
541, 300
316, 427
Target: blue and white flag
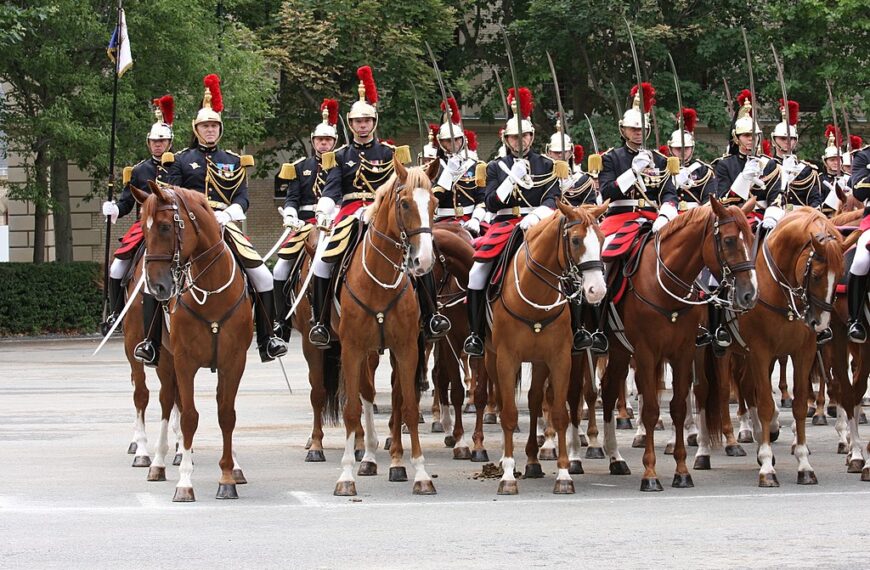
119, 46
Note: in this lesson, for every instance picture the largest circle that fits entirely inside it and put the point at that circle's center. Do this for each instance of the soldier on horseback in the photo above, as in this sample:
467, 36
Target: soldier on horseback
856, 288
833, 176
578, 187
694, 182
159, 141
798, 180
305, 180
521, 189
221, 175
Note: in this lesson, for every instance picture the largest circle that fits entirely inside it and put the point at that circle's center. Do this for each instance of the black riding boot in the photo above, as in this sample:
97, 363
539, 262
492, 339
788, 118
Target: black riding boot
282, 326
270, 346
435, 325
600, 344
856, 294
582, 338
148, 351
706, 337
476, 304
114, 299
319, 334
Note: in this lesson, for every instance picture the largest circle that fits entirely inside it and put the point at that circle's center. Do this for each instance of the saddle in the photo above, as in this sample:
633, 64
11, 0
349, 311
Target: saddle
623, 256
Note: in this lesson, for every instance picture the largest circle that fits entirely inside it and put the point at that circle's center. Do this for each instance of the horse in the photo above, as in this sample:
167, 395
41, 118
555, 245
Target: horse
189, 265
377, 313
660, 313
799, 263
560, 257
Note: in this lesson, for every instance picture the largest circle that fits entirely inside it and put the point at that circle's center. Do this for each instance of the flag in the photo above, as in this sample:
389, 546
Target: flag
119, 46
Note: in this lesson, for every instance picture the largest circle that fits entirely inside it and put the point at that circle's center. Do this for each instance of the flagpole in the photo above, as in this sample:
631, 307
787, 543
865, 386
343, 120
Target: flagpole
112, 162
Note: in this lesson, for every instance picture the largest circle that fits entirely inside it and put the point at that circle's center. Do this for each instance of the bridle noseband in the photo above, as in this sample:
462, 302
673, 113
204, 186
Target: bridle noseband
797, 295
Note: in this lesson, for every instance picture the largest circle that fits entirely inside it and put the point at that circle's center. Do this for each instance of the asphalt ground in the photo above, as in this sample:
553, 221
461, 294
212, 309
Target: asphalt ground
71, 499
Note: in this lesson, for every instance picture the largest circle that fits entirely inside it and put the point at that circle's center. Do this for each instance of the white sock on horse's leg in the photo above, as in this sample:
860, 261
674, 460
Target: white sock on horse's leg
371, 436
139, 435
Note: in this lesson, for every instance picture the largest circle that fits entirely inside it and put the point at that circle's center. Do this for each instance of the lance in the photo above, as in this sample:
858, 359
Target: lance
752, 92
519, 115
419, 118
780, 76
447, 110
111, 185
639, 84
680, 124
836, 124
558, 101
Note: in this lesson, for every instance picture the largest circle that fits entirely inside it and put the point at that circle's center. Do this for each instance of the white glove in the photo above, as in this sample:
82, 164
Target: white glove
473, 226
110, 210
567, 183
235, 212
772, 215
641, 162
751, 170
323, 212
291, 218
791, 165
768, 223
451, 171
519, 169
222, 217
659, 223
843, 182
666, 213
683, 176
535, 216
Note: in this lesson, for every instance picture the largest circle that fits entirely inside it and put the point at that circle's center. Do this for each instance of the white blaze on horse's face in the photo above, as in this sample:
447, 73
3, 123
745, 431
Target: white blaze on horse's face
594, 287
423, 258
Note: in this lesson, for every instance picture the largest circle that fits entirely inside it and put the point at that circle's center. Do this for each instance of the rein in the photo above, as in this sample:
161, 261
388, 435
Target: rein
795, 295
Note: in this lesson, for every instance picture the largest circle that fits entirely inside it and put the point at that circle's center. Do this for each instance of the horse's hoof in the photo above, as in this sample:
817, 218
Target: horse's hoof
540, 439
639, 441
811, 411
315, 456
437, 427
309, 443
176, 461
584, 441
774, 435
226, 491
692, 440
820, 420
388, 443
479, 456
398, 474
358, 454
594, 453
157, 474
619, 468
660, 425
767, 480
239, 477
345, 489
855, 466
132, 449
547, 454
534, 471
865, 474
832, 411
862, 418
489, 418
424, 487
575, 467
651, 485
669, 449
735, 451
508, 487
807, 478
563, 487
462, 453
784, 403
367, 469
682, 481
470, 409
630, 413
623, 423
420, 419
744, 436
449, 441
842, 448
183, 495
702, 463
141, 461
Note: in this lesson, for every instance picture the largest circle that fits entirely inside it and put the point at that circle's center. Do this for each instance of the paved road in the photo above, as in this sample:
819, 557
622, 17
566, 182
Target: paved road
71, 499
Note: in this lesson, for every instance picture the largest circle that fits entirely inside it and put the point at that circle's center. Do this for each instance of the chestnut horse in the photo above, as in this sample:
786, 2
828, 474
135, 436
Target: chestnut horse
379, 311
531, 322
661, 311
188, 264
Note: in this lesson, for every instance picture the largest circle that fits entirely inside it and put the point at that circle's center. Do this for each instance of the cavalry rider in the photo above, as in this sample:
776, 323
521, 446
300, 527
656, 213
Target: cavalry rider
521, 189
578, 187
833, 176
305, 180
462, 177
798, 180
221, 175
159, 140
856, 287
694, 182
361, 167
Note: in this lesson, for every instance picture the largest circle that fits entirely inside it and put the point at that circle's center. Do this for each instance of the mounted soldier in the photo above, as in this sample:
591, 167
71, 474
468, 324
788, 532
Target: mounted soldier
694, 182
159, 141
304, 180
578, 187
798, 180
832, 176
222, 176
856, 287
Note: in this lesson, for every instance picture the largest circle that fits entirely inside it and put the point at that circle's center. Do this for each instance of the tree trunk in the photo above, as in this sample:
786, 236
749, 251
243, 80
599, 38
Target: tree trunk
63, 245
40, 167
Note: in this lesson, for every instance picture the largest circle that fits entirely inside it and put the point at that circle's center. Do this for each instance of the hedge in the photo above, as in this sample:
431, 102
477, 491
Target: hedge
50, 298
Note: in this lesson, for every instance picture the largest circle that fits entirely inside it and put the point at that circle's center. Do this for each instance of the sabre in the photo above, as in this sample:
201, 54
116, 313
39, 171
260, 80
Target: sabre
558, 101
639, 84
752, 92
519, 115
616, 99
280, 239
126, 308
781, 78
846, 125
836, 124
592, 133
501, 93
284, 372
680, 109
728, 102
465, 144
447, 110
419, 118
323, 242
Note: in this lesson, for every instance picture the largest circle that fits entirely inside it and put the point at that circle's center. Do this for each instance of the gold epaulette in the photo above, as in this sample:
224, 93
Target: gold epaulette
167, 158
127, 175
673, 166
288, 171
480, 174
327, 160
560, 169
247, 160
403, 154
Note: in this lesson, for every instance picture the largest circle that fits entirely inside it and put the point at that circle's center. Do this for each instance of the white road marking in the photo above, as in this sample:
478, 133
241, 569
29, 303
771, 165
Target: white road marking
150, 501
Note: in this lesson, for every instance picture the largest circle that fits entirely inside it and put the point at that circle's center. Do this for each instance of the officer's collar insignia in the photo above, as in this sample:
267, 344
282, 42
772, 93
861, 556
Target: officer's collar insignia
350, 163
194, 165
306, 172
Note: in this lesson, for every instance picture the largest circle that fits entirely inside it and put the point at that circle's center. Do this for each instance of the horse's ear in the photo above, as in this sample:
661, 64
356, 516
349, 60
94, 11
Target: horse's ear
597, 211
139, 195
158, 191
840, 194
400, 169
566, 209
718, 208
432, 169
749, 205
850, 240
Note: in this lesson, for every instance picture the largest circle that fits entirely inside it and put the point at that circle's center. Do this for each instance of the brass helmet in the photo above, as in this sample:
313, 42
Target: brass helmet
788, 126
560, 142
689, 120
326, 128
212, 105
450, 115
833, 142
164, 112
366, 107
632, 117
525, 110
744, 123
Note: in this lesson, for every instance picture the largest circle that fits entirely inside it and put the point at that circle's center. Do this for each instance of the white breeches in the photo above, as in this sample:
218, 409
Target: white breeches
479, 274
861, 264
119, 268
281, 271
322, 269
260, 277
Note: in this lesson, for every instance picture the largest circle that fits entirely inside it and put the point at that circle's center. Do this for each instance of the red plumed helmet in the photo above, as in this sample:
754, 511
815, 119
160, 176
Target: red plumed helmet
690, 119
365, 75
665, 150
765, 147
743, 96
166, 104
579, 153
454, 110
471, 140
793, 109
331, 106
433, 131
213, 83
831, 130
855, 142
526, 104
649, 94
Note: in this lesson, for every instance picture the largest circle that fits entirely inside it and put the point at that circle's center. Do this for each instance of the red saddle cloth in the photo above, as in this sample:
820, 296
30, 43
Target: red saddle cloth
488, 246
625, 227
130, 241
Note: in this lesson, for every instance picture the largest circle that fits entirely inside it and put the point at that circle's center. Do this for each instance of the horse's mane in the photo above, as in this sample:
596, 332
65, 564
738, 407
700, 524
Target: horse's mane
811, 222
583, 214
700, 214
847, 218
416, 179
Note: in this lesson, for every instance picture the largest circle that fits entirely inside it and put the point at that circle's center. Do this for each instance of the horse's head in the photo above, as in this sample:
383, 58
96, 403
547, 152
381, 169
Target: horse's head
728, 254
581, 240
172, 234
403, 210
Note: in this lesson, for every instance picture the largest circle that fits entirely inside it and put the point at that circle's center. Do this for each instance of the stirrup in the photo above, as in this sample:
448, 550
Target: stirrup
283, 330
273, 348
473, 346
857, 332
319, 336
438, 326
600, 344
107, 324
825, 336
581, 341
146, 353
723, 337
703, 338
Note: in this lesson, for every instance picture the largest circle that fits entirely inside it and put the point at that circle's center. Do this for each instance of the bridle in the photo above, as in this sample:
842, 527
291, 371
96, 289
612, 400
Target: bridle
801, 295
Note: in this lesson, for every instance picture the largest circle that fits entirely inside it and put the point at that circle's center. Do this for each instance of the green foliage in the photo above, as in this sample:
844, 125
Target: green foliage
49, 298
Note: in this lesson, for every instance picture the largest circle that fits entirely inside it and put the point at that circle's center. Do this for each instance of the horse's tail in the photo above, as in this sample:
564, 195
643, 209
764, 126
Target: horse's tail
713, 403
332, 383
420, 383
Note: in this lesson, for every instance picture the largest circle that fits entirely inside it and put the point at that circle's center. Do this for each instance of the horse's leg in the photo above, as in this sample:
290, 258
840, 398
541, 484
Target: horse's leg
575, 403
681, 383
639, 440
559, 372
819, 418
623, 417
229, 376
316, 360
185, 373
536, 399
481, 366
507, 367
166, 373
691, 425
757, 389
784, 399
457, 400
803, 363
736, 372
405, 366
548, 448
439, 402
368, 464
590, 396
367, 379
645, 377
140, 402
398, 472
614, 376
353, 360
